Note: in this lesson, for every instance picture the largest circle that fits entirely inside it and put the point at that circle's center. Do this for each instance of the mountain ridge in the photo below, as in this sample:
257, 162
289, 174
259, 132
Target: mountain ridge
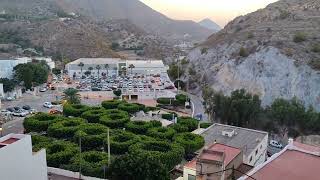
209, 24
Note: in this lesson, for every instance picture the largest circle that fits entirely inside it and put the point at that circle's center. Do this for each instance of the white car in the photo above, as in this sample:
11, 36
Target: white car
43, 89
47, 105
20, 113
276, 144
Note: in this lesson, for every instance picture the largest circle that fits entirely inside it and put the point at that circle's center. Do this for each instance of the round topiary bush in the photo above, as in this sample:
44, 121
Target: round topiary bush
161, 133
39, 122
58, 152
92, 163
93, 116
191, 142
141, 127
130, 108
112, 104
189, 122
115, 118
74, 110
65, 129
37, 139
170, 154
92, 136
205, 125
180, 128
169, 116
121, 141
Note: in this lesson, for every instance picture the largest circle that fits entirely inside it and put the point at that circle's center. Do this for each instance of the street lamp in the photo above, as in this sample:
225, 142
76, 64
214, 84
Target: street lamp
1, 132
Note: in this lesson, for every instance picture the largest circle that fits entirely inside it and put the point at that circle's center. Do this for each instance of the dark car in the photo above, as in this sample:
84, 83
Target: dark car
16, 108
10, 109
95, 89
26, 107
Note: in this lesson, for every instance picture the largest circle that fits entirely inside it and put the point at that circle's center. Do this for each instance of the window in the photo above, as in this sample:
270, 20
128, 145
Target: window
191, 177
261, 146
257, 151
250, 159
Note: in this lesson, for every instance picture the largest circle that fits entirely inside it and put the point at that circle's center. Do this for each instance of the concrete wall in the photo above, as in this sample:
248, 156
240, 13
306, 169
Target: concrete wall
260, 157
187, 171
69, 174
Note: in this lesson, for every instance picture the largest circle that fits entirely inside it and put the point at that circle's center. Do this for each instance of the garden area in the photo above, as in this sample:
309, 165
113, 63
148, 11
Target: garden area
139, 150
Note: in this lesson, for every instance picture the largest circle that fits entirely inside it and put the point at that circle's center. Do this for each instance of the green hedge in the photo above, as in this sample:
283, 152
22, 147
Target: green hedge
74, 110
205, 125
112, 104
165, 101
181, 99
58, 152
189, 122
169, 116
161, 133
92, 163
93, 116
115, 118
170, 154
130, 108
191, 142
180, 128
121, 141
39, 122
65, 129
141, 127
37, 139
92, 136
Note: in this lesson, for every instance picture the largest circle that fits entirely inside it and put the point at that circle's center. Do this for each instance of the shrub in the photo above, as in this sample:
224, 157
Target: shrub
141, 127
58, 152
181, 99
93, 116
190, 142
204, 51
142, 107
65, 129
148, 108
161, 133
205, 125
189, 122
92, 163
180, 128
243, 52
112, 104
130, 108
315, 64
92, 136
169, 154
169, 116
165, 101
299, 37
114, 118
121, 141
316, 48
74, 110
117, 92
39, 122
37, 139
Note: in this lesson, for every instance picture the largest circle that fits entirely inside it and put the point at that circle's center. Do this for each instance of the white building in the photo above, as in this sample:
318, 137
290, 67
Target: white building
18, 161
48, 60
115, 66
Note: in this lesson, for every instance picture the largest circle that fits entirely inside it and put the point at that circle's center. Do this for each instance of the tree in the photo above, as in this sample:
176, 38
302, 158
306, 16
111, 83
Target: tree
8, 84
81, 66
117, 92
174, 73
72, 96
56, 71
124, 71
131, 66
114, 46
300, 37
107, 68
90, 69
87, 73
98, 67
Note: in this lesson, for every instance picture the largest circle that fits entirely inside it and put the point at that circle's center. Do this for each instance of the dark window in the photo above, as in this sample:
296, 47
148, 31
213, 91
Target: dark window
257, 151
191, 177
250, 159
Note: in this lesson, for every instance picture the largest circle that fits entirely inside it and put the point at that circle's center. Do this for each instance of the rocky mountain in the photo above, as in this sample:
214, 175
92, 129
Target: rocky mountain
209, 24
273, 52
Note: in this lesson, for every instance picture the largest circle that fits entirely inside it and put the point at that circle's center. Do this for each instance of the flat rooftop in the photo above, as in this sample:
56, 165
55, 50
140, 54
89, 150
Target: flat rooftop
10, 139
245, 139
96, 61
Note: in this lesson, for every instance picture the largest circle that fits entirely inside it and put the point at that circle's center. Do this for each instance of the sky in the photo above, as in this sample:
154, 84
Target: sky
220, 11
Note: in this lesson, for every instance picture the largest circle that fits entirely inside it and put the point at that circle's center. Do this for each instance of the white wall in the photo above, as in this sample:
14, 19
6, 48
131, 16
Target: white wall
187, 171
261, 156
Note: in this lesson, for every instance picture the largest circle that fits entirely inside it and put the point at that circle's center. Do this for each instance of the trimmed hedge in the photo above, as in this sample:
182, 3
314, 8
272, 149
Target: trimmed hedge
180, 128
205, 125
190, 142
170, 154
112, 104
39, 122
130, 108
38, 139
58, 152
161, 133
169, 116
92, 163
181, 99
189, 122
141, 127
165, 101
92, 136
93, 116
65, 129
121, 141
115, 118
74, 110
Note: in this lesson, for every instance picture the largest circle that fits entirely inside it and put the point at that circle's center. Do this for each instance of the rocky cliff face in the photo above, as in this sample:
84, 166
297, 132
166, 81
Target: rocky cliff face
272, 52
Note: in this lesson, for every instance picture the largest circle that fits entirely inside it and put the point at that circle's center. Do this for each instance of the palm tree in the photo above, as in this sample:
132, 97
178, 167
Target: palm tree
107, 68
90, 69
124, 69
131, 66
72, 96
98, 67
81, 66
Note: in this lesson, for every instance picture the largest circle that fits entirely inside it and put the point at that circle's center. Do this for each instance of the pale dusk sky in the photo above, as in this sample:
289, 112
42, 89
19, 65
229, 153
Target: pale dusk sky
220, 11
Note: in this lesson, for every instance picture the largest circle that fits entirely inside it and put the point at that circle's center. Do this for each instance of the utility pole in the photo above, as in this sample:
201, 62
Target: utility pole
178, 74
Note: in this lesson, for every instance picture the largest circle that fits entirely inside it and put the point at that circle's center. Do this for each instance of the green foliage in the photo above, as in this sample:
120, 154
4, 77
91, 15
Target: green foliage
250, 35
115, 46
180, 128
8, 84
72, 96
189, 141
169, 116
39, 122
173, 71
284, 14
190, 123
315, 64
66, 128
93, 115
141, 127
316, 48
114, 118
184, 61
243, 52
205, 125
56, 71
31, 73
161, 133
58, 152
74, 110
169, 154
165, 101
117, 92
120, 141
38, 139
181, 99
8, 37
300, 37
204, 51
130, 108
180, 84
112, 104
92, 136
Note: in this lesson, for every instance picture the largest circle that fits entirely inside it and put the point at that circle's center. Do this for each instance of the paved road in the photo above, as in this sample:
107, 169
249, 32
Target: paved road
198, 106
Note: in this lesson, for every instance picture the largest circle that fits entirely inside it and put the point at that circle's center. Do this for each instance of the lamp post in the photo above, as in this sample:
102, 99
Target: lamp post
1, 132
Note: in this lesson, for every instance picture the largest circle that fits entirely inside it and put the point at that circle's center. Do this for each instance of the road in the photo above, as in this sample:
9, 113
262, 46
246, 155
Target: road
198, 106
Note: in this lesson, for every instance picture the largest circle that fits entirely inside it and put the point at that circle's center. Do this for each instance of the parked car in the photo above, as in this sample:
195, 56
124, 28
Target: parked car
26, 107
47, 105
20, 113
9, 98
43, 89
10, 109
276, 144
